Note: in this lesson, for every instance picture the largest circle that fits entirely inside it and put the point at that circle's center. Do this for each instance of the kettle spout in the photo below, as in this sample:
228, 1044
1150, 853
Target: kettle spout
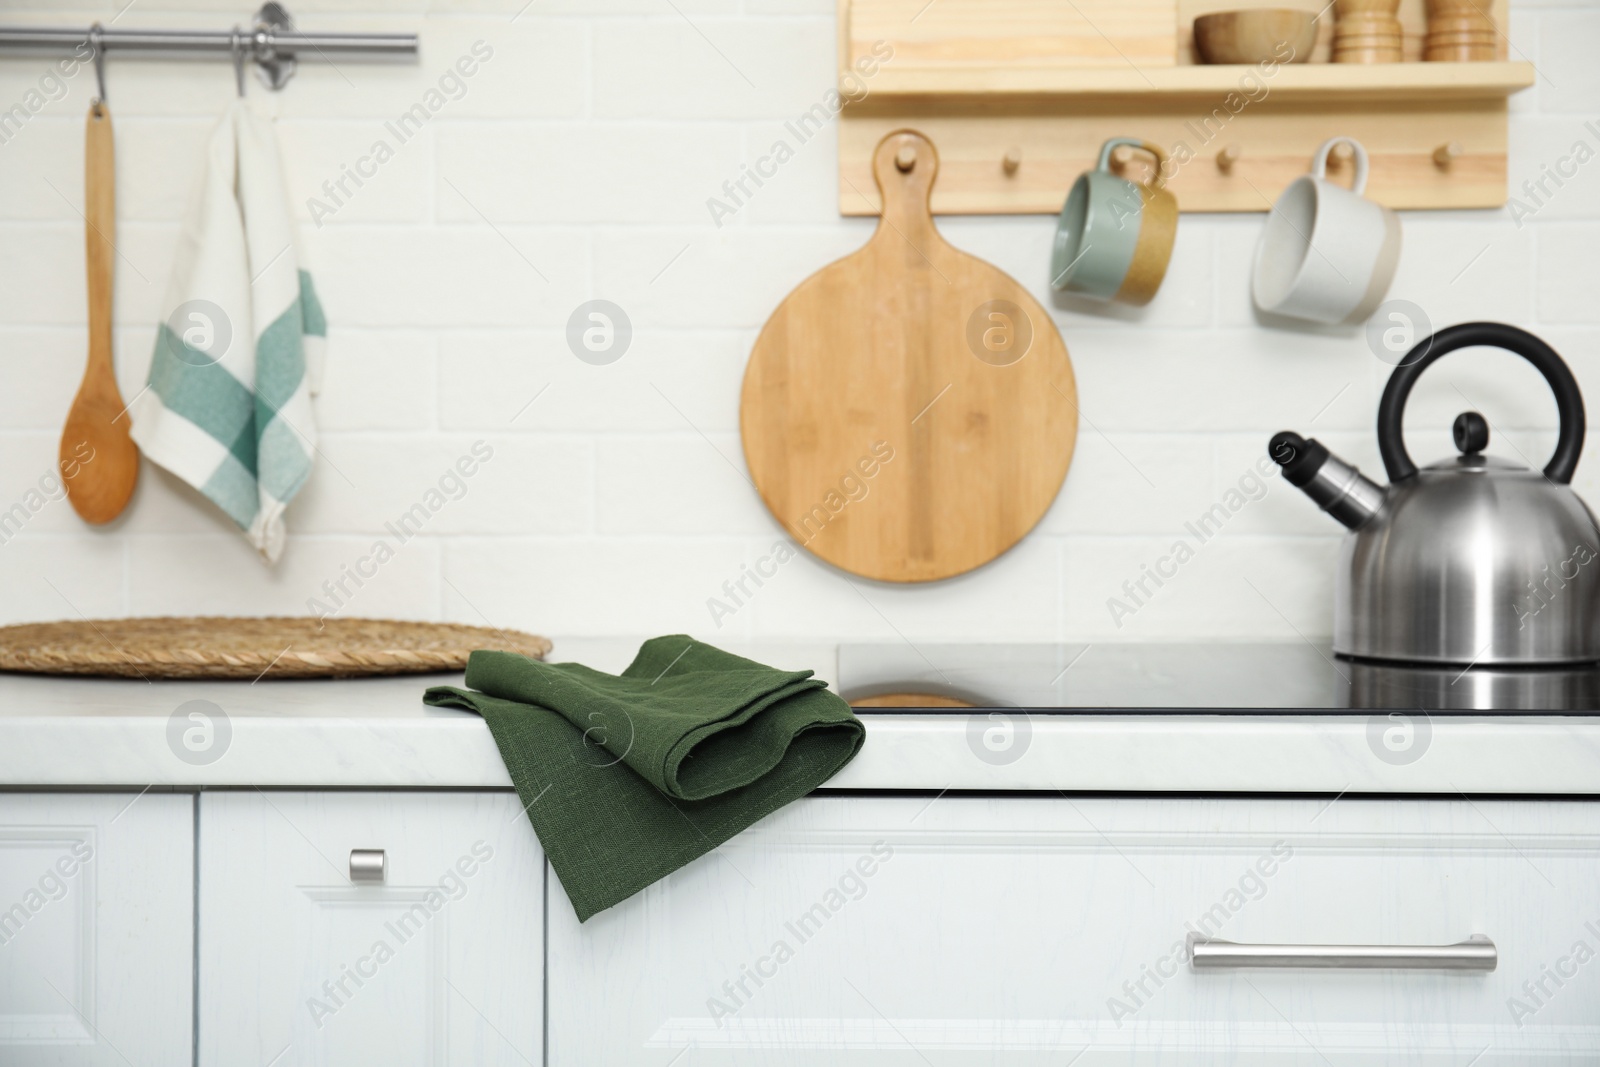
1338, 488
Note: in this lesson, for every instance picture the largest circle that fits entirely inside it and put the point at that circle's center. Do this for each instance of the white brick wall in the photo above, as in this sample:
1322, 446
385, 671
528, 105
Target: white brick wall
577, 165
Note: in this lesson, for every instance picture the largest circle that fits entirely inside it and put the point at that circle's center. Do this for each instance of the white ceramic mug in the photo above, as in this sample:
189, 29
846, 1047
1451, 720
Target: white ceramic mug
1327, 253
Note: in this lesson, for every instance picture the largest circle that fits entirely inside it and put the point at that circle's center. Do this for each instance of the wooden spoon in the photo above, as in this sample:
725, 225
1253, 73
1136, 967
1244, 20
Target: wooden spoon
99, 461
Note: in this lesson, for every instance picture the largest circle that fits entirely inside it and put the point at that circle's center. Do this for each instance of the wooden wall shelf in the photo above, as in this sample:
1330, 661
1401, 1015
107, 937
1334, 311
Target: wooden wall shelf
1018, 95
1327, 82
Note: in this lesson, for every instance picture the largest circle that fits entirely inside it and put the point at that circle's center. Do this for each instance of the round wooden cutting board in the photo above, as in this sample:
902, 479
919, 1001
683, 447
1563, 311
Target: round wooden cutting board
909, 411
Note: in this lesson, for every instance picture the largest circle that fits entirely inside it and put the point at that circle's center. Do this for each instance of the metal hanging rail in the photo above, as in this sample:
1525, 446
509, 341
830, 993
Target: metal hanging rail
272, 43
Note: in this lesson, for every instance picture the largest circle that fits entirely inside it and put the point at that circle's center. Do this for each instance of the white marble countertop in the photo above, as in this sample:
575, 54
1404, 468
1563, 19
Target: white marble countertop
376, 733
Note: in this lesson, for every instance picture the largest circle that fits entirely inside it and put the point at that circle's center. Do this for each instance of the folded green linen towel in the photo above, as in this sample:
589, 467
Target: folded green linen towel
627, 778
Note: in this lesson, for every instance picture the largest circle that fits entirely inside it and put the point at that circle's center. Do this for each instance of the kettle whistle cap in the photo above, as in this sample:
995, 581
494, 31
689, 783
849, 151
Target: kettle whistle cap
1299, 457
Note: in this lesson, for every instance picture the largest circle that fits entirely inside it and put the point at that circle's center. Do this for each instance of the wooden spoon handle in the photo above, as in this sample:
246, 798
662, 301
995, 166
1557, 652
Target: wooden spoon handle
100, 231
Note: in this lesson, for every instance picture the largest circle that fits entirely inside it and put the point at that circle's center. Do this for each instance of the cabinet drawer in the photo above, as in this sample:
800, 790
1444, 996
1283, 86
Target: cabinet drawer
429, 954
872, 930
96, 929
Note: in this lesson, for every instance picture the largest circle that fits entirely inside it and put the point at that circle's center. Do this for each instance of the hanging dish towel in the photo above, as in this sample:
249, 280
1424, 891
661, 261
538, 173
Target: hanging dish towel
238, 351
627, 778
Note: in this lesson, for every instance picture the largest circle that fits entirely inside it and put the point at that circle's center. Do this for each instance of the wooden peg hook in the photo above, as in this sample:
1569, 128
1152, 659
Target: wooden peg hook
1012, 160
1124, 156
1341, 154
1228, 157
1447, 154
905, 159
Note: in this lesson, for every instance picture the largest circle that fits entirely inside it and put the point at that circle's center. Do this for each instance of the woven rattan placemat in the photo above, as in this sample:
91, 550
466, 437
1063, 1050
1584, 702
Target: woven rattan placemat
251, 647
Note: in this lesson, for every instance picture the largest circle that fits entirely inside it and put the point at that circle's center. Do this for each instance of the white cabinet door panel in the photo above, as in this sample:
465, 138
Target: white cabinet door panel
879, 930
96, 929
441, 964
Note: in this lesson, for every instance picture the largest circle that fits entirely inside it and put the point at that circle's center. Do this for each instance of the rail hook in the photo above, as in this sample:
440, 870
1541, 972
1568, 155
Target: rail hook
236, 46
98, 48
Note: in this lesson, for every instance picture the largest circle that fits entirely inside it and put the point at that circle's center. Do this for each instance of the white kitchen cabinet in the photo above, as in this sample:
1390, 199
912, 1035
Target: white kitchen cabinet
1047, 930
96, 929
440, 964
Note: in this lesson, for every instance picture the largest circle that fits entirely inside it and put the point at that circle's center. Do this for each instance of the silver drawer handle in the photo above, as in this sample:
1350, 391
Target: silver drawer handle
367, 865
1476, 953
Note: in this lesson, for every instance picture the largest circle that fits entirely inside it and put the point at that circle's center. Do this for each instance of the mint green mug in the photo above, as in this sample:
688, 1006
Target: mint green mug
1114, 237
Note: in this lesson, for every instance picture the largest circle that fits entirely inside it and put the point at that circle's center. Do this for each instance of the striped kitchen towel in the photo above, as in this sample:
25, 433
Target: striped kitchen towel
239, 349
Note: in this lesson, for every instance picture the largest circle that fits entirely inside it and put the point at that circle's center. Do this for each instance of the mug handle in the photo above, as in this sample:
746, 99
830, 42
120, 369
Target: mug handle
1133, 142
1319, 162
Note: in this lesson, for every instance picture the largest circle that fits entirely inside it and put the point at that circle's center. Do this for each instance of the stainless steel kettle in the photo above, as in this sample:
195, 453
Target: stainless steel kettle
1472, 560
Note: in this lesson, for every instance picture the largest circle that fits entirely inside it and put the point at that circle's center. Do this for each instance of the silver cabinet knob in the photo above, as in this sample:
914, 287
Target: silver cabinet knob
367, 866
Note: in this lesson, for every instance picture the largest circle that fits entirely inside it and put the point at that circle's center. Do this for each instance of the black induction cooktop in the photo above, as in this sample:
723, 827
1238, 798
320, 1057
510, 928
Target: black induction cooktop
1294, 678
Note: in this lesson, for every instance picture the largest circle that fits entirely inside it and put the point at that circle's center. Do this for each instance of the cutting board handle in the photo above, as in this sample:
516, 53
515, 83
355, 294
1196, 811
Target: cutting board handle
905, 165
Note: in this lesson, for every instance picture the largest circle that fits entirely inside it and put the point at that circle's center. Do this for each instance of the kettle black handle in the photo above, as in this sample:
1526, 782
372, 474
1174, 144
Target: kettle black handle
1569, 401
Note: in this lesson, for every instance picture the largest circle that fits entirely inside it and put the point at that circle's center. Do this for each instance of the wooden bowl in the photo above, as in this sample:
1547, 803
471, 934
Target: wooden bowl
1366, 22
1451, 39
1461, 24
1367, 40
1461, 53
1369, 55
1345, 8
1255, 36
